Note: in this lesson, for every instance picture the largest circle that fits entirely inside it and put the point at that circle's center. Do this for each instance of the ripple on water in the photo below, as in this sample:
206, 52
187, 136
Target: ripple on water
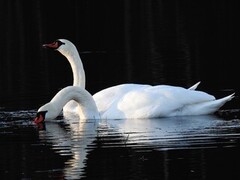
77, 141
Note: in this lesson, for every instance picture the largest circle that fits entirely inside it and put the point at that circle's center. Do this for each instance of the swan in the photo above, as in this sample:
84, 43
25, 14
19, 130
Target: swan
123, 99
87, 108
147, 102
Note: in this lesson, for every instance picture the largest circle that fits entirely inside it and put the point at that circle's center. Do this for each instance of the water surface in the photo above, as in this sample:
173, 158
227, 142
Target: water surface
149, 42
168, 148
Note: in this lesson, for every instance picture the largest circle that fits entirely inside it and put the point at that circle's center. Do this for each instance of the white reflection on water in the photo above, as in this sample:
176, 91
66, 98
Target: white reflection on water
78, 138
70, 138
176, 132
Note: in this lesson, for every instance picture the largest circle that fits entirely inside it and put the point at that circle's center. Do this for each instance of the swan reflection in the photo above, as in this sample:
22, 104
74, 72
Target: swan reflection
70, 138
80, 138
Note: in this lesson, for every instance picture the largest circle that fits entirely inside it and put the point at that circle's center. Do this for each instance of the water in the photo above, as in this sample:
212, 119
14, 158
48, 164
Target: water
160, 42
167, 148
149, 42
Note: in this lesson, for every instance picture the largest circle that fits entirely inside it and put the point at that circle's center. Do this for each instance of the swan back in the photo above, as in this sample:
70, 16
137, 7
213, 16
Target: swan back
161, 101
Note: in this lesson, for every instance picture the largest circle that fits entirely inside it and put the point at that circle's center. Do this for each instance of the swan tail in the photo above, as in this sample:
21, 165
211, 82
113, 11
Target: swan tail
194, 86
215, 105
226, 99
208, 107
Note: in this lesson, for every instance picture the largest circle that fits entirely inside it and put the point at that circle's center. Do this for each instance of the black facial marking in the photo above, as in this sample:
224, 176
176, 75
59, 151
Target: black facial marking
59, 43
43, 113
55, 45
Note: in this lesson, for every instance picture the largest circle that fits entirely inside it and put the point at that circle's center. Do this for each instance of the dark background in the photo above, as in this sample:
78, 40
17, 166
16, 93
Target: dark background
125, 41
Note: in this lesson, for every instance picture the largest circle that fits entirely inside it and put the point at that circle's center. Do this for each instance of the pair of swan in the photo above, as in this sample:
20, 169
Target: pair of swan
125, 101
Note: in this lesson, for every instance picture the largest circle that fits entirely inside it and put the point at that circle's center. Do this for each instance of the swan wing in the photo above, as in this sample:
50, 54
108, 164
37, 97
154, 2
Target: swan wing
105, 98
194, 86
154, 101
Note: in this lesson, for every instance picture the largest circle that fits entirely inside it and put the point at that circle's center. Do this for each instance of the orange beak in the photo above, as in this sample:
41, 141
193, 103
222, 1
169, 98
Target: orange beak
38, 119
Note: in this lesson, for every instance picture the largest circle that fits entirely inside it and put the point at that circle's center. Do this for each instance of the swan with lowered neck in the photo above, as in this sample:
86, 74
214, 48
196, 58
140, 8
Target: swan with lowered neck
87, 108
137, 100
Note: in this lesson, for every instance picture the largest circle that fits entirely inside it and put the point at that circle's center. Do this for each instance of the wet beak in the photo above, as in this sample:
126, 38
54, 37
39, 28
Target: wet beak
39, 119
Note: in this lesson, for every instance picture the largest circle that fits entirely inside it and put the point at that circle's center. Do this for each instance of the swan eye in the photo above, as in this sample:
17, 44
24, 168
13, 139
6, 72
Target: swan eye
59, 43
41, 113
54, 45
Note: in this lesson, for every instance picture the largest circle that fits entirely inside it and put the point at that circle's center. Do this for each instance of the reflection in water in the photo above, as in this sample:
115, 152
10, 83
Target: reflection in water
176, 132
167, 148
82, 139
70, 138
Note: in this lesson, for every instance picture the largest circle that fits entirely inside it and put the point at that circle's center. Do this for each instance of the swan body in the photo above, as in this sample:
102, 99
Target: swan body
155, 101
145, 102
109, 96
138, 100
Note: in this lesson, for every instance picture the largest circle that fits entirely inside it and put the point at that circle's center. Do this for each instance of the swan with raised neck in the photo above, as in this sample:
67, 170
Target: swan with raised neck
87, 108
69, 50
142, 101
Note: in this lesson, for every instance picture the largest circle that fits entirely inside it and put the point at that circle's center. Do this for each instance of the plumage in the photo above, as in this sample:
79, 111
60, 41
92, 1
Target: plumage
139, 100
145, 101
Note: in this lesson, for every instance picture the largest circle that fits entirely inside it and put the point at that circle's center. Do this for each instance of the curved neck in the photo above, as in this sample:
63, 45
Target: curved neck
77, 68
87, 108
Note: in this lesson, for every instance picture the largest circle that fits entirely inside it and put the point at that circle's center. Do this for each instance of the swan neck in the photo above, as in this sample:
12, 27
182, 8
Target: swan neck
77, 69
86, 105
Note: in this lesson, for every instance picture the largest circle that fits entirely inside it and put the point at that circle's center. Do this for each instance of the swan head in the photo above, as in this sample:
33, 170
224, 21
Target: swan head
64, 46
46, 112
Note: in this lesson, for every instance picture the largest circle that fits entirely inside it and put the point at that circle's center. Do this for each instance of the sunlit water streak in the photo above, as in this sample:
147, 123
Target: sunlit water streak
78, 140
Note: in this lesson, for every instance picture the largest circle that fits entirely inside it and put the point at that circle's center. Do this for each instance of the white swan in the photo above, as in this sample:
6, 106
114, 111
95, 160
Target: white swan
148, 102
137, 100
87, 108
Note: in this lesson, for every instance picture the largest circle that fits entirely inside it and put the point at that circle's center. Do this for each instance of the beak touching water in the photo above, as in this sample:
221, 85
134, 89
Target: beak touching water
40, 117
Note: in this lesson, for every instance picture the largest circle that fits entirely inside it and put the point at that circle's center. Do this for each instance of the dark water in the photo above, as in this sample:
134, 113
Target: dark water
195, 147
150, 42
